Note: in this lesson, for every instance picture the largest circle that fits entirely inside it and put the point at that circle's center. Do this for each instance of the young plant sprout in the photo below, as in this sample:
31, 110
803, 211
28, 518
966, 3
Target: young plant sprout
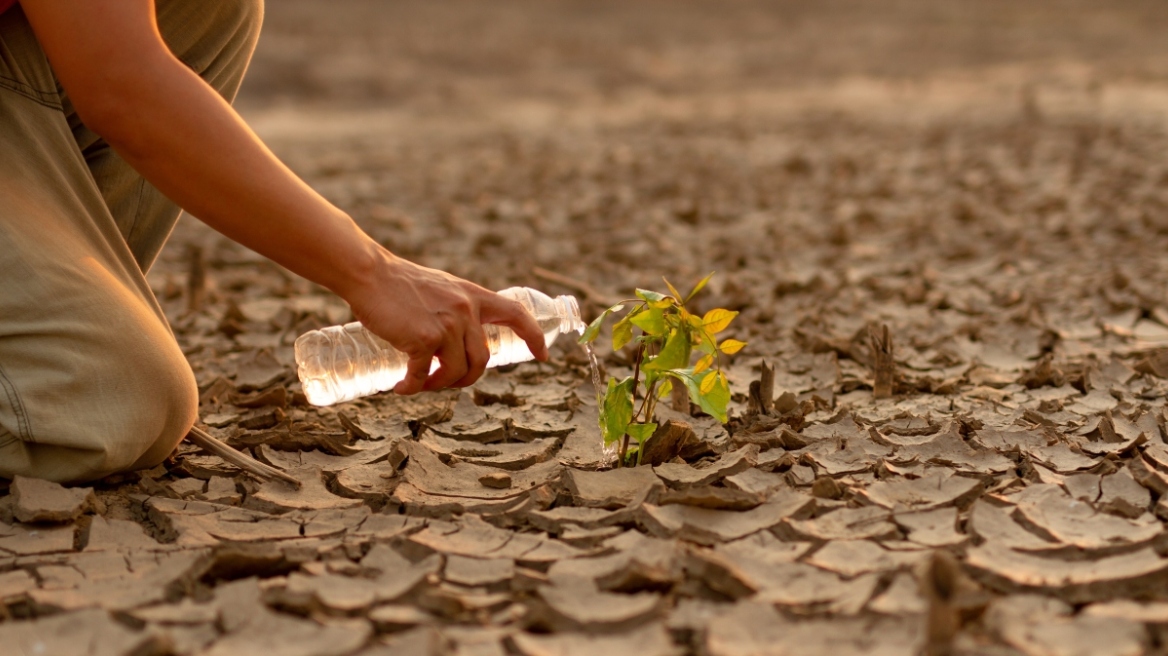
665, 335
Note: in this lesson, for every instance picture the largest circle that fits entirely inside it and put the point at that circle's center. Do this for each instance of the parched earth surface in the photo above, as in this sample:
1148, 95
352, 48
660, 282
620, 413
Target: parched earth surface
987, 180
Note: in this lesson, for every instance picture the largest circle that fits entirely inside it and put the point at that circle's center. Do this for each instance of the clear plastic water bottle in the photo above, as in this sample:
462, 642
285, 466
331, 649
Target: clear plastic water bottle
342, 363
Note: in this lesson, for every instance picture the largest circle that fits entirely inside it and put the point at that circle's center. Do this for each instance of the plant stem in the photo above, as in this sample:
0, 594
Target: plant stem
637, 369
636, 380
646, 414
644, 404
652, 404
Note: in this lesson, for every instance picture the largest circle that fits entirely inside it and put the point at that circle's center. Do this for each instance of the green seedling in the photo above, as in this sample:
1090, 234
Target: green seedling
666, 338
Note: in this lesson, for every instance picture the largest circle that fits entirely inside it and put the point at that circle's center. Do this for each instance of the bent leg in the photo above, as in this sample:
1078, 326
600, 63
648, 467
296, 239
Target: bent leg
91, 379
216, 40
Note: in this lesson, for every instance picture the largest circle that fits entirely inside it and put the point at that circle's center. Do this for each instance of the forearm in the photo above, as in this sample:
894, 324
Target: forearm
191, 145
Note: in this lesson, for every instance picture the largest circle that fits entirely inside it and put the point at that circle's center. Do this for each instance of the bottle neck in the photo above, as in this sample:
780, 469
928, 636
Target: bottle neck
568, 310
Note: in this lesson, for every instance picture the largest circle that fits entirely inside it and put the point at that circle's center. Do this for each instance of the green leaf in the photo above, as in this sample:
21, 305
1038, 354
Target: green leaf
617, 409
650, 295
674, 355
672, 289
714, 402
652, 321
731, 346
698, 287
717, 320
665, 389
622, 333
641, 432
593, 329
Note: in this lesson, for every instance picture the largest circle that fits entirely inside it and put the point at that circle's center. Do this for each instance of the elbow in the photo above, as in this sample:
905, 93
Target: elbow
113, 113
122, 103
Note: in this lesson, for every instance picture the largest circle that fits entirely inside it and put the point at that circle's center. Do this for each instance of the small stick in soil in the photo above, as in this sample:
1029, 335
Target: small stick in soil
883, 366
196, 279
942, 583
762, 391
766, 392
588, 291
679, 398
203, 440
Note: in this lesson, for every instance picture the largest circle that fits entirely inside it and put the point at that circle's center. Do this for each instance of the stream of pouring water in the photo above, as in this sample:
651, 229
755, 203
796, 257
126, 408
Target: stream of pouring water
608, 450
595, 366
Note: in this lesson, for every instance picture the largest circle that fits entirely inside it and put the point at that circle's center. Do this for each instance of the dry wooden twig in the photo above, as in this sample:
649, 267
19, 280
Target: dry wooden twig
940, 586
762, 391
679, 398
883, 365
588, 291
203, 440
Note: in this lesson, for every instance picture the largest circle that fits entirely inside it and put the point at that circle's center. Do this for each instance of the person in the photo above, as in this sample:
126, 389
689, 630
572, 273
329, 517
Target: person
113, 115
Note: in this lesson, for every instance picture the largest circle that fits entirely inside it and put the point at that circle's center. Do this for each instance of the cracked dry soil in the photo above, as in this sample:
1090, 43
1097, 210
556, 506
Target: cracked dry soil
998, 198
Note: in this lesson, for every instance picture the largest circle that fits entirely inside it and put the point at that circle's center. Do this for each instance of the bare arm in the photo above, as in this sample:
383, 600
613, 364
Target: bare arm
190, 144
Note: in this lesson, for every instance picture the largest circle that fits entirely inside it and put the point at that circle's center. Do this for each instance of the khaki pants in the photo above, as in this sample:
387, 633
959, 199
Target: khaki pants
91, 378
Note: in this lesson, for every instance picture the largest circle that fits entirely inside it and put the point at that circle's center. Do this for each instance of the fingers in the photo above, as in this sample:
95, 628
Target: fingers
505, 312
417, 371
477, 356
452, 360
460, 345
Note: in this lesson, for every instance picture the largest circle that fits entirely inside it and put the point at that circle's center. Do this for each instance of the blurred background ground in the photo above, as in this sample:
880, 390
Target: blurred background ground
420, 110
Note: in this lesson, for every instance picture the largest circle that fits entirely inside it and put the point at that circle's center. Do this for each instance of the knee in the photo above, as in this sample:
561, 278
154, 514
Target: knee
162, 406
127, 406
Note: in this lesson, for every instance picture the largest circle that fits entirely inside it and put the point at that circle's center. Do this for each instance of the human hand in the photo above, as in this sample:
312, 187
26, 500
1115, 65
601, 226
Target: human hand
426, 313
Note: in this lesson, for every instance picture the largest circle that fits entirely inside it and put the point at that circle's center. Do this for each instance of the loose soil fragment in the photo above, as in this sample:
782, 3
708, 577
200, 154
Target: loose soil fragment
512, 456
611, 489
279, 497
996, 525
1051, 513
37, 500
23, 540
932, 528
844, 524
461, 479
1141, 571
939, 488
707, 526
583, 608
650, 640
83, 633
851, 558
714, 498
496, 480
1037, 625
677, 475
